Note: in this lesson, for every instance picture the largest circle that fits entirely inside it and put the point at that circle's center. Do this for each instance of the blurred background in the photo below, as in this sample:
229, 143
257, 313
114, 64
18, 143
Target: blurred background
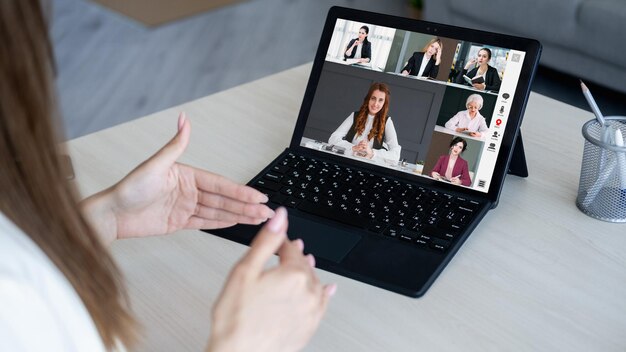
119, 60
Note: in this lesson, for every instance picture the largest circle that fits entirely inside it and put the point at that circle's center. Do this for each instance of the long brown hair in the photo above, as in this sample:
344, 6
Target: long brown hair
378, 127
34, 192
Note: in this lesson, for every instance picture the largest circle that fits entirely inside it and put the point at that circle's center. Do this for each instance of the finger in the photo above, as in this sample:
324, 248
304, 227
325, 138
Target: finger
291, 253
267, 242
213, 183
223, 215
195, 222
177, 145
235, 206
311, 259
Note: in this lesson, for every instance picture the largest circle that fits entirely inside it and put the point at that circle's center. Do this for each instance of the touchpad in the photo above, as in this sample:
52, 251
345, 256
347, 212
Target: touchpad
322, 240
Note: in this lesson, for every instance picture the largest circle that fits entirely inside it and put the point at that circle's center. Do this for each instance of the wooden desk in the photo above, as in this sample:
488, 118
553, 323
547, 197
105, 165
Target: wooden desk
536, 274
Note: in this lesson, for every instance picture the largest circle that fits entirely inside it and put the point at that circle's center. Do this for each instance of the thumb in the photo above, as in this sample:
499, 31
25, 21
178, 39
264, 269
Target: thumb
177, 145
267, 242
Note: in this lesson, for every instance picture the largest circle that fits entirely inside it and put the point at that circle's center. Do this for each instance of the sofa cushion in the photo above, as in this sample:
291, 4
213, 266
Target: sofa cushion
601, 29
550, 20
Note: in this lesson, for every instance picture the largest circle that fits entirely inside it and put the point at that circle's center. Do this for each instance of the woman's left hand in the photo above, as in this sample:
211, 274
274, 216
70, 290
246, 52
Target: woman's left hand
368, 150
479, 86
161, 196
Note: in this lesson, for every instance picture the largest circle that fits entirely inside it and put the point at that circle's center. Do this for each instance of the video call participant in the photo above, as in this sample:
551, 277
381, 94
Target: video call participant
60, 288
470, 120
452, 167
488, 73
369, 132
425, 63
359, 48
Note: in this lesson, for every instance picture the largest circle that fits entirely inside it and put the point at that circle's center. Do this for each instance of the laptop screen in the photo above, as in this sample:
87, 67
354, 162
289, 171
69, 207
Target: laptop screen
417, 103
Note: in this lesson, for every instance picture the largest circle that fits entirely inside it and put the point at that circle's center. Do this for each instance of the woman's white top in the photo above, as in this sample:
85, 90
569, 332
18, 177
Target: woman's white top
357, 54
39, 308
390, 141
423, 64
462, 119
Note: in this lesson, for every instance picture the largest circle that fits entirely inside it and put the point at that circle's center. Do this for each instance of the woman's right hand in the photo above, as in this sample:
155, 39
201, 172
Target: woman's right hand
471, 63
274, 309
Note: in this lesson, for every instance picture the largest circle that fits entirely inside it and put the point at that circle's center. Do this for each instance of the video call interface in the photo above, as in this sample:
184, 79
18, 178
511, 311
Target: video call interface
426, 105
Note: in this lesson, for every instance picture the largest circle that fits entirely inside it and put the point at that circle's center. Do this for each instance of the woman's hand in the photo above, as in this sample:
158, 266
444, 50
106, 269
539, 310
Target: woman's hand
435, 175
438, 57
456, 180
461, 129
363, 149
471, 63
273, 309
369, 153
479, 86
161, 196
475, 134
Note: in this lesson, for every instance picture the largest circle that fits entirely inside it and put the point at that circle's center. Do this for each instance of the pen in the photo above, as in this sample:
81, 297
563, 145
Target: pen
592, 103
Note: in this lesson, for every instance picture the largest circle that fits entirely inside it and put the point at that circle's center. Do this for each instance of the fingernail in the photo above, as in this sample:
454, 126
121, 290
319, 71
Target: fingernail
299, 243
181, 120
278, 220
311, 260
331, 290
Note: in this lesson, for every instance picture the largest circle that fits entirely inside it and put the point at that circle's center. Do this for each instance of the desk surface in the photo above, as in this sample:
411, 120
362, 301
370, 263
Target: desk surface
536, 274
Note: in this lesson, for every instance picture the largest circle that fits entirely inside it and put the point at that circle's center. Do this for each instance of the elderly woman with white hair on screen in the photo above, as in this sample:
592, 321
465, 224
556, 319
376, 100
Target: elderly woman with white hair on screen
469, 121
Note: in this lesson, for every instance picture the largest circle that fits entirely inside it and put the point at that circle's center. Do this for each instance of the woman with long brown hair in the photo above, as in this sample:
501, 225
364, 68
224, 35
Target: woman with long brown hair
369, 132
60, 290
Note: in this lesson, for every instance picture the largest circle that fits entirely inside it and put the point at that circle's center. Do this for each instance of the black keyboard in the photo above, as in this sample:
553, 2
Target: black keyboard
426, 218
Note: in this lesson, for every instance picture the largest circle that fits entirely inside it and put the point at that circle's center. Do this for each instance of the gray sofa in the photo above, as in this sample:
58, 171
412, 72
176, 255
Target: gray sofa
584, 38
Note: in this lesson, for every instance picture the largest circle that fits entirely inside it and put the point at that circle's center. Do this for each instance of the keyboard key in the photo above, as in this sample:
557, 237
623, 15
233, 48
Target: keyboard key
332, 214
281, 169
408, 235
391, 232
445, 234
377, 227
273, 177
278, 198
439, 244
292, 202
268, 185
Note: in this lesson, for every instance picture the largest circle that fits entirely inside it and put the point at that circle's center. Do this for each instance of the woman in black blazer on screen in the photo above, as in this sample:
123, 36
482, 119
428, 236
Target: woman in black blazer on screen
430, 57
489, 73
352, 50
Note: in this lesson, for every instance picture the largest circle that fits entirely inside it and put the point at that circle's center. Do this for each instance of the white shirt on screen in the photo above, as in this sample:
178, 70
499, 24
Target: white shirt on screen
357, 54
390, 141
423, 65
462, 119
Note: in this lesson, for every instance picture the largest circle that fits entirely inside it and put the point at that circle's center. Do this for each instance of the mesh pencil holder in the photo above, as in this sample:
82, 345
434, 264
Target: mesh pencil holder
602, 187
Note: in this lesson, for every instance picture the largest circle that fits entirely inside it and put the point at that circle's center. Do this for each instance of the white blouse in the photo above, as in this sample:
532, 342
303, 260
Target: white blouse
462, 119
390, 142
39, 308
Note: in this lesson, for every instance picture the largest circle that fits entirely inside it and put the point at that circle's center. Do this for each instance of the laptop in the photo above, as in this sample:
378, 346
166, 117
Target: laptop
405, 135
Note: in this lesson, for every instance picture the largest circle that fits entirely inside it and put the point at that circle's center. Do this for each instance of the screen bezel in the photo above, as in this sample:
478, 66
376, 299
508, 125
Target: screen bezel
531, 47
